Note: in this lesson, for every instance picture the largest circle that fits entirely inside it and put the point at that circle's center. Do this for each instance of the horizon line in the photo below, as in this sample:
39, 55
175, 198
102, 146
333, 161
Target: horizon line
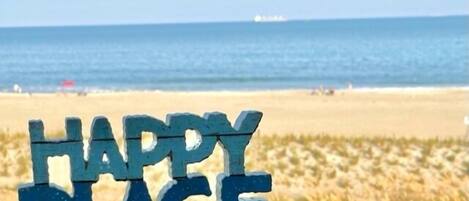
230, 21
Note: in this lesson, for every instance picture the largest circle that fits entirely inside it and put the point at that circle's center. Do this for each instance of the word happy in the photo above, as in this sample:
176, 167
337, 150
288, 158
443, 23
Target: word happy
168, 142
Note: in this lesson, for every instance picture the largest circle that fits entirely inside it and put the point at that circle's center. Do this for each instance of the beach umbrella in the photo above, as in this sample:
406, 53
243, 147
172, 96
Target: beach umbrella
67, 84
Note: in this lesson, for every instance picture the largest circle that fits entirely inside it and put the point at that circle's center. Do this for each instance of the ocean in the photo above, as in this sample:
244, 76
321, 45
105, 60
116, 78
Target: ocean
368, 53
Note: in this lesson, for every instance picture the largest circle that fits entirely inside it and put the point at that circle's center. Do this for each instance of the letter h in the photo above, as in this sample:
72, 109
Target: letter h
41, 149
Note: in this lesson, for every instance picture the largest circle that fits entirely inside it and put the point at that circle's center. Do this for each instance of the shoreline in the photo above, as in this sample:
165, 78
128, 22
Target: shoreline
424, 89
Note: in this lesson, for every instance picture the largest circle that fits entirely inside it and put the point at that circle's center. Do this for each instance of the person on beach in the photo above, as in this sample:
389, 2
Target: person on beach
323, 91
17, 88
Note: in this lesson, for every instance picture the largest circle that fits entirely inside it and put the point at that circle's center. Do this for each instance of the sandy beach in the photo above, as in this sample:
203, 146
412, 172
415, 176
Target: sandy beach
422, 113
354, 167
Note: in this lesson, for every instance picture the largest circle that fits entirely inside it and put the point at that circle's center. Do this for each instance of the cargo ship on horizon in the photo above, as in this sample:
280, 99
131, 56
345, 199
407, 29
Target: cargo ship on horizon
273, 18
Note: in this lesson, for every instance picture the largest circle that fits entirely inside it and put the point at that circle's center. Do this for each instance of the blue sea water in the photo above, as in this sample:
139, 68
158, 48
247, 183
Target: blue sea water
392, 52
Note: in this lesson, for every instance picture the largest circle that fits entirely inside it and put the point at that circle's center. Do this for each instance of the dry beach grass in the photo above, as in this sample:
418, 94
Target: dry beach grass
304, 167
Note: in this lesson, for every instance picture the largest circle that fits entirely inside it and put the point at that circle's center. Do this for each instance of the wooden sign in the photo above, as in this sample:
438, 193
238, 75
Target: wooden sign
169, 142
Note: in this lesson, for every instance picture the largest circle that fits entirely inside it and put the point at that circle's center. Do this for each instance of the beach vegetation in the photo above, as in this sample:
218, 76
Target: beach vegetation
308, 167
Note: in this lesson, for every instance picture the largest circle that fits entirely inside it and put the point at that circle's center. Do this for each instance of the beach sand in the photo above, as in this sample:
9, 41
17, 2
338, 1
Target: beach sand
419, 113
354, 167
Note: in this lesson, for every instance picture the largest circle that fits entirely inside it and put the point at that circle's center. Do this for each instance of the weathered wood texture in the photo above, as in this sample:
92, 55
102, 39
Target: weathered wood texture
169, 142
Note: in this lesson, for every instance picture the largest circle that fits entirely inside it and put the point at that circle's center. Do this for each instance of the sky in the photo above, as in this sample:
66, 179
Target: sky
97, 12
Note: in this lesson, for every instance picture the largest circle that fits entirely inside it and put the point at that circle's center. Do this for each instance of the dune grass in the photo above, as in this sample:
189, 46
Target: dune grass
306, 168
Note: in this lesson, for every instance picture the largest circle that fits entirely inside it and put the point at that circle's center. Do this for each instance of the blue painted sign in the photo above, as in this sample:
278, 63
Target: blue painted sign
170, 135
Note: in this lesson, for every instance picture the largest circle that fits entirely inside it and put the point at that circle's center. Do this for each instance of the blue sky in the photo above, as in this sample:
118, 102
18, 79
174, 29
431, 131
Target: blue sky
87, 12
